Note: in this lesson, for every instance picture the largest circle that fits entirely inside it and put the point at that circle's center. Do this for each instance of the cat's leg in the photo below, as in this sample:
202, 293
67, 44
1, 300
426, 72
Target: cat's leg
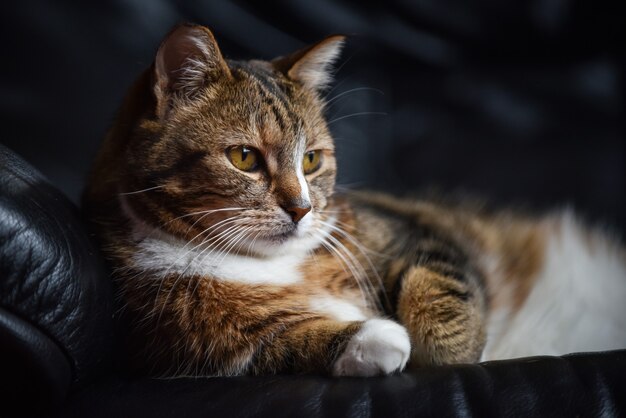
442, 305
210, 327
367, 348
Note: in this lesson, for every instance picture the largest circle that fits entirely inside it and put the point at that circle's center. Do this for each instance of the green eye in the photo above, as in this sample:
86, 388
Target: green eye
312, 161
244, 158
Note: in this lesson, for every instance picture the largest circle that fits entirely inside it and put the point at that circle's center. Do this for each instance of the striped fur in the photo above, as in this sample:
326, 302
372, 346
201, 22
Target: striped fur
217, 279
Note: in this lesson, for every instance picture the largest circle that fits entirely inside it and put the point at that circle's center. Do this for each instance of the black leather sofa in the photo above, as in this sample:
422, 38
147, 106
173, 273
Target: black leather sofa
517, 101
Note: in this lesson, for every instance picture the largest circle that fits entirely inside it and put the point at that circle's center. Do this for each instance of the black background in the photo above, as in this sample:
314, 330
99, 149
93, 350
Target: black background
518, 101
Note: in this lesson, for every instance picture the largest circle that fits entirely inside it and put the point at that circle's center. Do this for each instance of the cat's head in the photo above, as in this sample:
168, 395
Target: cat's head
235, 152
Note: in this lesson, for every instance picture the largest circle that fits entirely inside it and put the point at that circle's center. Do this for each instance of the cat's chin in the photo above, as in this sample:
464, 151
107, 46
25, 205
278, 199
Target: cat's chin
281, 246
293, 240
279, 239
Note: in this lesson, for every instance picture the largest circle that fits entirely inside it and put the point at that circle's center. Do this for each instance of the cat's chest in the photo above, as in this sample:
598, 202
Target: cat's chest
168, 257
282, 270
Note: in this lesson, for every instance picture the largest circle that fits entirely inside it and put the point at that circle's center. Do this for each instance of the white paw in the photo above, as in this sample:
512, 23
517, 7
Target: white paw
380, 347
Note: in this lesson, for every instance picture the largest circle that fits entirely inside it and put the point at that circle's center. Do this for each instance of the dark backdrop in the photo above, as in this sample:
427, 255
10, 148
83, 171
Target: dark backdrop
521, 102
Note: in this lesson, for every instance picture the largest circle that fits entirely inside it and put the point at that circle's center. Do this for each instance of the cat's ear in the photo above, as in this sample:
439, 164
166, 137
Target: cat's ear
312, 65
186, 61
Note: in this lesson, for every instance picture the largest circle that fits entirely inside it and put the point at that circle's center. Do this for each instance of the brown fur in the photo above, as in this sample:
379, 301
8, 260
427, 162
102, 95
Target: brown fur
165, 159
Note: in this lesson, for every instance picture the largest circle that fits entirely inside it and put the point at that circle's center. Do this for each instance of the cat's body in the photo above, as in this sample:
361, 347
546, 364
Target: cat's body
234, 260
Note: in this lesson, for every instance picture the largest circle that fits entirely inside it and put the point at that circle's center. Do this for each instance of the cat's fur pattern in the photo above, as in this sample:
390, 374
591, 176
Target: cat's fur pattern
264, 295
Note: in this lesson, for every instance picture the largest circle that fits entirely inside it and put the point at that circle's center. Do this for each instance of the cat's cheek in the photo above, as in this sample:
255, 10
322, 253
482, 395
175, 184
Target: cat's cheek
381, 347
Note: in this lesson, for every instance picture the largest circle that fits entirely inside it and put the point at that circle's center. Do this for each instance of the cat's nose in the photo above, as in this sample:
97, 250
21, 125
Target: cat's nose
297, 211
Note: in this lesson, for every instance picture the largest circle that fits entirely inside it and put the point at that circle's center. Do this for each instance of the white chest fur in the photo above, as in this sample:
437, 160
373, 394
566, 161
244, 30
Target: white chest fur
166, 256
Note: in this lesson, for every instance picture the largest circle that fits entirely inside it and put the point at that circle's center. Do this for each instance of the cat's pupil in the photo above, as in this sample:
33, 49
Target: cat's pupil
310, 157
244, 153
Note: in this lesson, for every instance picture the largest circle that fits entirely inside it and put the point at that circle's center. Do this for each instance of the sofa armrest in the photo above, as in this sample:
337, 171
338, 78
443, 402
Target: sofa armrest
55, 299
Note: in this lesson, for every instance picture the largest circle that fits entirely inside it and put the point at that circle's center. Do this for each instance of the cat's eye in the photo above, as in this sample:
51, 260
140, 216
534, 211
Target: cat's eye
312, 161
244, 158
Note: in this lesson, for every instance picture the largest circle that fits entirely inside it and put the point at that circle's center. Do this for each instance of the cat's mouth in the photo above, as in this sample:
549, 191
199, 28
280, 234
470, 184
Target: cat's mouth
285, 238
285, 233
281, 236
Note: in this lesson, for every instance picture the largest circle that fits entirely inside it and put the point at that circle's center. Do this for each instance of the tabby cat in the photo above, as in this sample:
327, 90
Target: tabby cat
212, 197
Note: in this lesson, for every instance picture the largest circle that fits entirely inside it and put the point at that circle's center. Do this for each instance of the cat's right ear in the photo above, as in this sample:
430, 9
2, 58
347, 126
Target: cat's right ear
311, 66
187, 60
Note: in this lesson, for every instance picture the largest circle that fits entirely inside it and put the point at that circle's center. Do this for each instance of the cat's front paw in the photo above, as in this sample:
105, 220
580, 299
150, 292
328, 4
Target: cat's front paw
380, 347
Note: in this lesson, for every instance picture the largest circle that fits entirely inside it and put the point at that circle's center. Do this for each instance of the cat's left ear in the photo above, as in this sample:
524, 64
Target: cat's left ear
312, 65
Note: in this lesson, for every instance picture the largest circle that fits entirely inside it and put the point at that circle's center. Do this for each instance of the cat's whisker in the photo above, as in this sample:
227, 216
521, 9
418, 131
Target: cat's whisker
182, 273
224, 222
361, 272
204, 242
347, 267
336, 86
211, 212
220, 239
311, 251
348, 187
251, 244
322, 239
323, 212
338, 110
358, 266
230, 239
235, 242
228, 245
363, 250
202, 212
142, 190
225, 240
348, 226
352, 238
353, 271
345, 62
356, 114
354, 90
355, 240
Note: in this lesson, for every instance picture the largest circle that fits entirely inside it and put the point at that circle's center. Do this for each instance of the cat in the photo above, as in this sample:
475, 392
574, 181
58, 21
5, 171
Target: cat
213, 199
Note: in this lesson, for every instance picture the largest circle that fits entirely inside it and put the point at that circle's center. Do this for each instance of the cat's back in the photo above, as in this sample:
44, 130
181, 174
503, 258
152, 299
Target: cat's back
555, 285
574, 300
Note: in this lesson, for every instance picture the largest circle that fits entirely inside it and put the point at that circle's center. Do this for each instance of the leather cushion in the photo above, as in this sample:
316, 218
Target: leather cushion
55, 301
584, 385
33, 367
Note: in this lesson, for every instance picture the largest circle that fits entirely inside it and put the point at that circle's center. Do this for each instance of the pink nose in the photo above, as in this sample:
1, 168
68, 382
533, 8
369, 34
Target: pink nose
297, 211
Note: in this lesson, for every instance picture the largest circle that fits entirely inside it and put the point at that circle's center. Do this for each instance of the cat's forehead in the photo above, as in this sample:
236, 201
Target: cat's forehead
269, 94
267, 80
267, 107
